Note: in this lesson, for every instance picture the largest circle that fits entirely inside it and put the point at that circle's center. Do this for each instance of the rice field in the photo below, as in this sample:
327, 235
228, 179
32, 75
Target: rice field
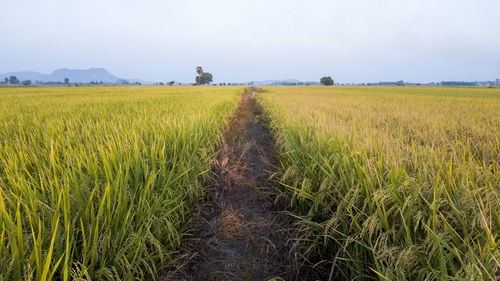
96, 182
392, 183
387, 183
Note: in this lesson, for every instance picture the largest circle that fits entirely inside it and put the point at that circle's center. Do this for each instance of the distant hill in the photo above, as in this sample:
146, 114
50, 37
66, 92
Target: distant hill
24, 75
82, 75
282, 82
74, 76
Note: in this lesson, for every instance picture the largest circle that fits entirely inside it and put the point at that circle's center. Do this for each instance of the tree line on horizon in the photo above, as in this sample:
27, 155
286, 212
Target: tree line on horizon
202, 78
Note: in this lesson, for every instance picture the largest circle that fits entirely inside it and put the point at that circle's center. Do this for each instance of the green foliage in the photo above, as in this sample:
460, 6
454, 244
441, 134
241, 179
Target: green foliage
96, 182
199, 70
327, 81
13, 80
204, 78
392, 183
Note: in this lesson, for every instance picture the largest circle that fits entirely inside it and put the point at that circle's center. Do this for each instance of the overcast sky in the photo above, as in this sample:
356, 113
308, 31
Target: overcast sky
243, 40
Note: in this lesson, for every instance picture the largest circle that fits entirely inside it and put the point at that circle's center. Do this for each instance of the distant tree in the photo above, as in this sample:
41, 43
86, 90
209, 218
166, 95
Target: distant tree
13, 80
204, 78
66, 81
161, 84
6, 80
199, 70
122, 82
27, 82
327, 81
171, 83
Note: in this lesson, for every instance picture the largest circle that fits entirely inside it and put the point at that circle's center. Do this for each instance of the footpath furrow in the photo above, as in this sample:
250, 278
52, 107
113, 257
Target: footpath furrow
238, 234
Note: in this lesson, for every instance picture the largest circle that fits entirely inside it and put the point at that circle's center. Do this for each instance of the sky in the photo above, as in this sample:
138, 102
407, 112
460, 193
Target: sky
254, 40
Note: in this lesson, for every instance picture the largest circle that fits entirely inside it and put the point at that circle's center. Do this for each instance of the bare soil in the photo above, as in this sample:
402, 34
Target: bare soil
238, 234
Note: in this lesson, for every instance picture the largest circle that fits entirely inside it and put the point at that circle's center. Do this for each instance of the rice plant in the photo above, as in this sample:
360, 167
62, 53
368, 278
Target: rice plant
96, 182
392, 183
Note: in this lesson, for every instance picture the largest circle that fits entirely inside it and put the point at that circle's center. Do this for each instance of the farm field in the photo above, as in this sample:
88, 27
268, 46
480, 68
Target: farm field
387, 183
96, 182
392, 183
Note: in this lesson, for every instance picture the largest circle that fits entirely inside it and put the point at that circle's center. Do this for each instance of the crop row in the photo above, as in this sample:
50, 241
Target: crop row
96, 183
392, 183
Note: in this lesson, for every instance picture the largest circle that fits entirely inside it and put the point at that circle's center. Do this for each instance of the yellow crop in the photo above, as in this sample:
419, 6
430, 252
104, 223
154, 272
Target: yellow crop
396, 183
96, 182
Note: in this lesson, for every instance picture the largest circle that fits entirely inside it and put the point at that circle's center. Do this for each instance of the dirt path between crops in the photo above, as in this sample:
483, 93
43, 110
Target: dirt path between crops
238, 234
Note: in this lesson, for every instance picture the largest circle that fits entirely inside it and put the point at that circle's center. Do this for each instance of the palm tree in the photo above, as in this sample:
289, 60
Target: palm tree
199, 70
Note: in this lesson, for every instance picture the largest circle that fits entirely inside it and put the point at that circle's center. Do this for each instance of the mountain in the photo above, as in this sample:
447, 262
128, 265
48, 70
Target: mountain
24, 75
277, 82
74, 75
82, 75
142, 82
